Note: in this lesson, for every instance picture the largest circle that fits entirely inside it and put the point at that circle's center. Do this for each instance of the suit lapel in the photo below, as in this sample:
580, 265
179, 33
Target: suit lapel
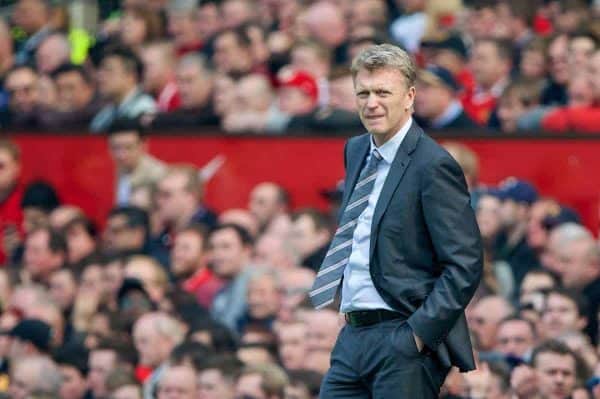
397, 169
357, 152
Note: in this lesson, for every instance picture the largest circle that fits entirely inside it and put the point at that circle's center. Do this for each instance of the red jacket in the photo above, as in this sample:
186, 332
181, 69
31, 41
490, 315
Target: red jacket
585, 119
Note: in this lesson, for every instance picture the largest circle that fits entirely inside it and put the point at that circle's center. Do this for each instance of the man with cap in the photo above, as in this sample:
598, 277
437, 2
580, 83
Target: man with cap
517, 196
451, 53
73, 364
30, 337
437, 106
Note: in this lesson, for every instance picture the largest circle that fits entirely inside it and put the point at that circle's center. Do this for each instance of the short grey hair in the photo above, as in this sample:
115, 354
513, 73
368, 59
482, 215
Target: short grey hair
386, 56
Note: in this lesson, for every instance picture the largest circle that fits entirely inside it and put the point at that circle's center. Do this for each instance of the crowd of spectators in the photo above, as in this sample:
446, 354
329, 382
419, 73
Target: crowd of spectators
277, 66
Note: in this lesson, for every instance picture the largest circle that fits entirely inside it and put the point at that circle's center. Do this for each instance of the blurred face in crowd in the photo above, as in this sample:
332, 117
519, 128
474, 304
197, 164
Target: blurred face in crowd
187, 255
488, 216
432, 100
194, 85
580, 92
39, 259
341, 93
115, 80
229, 255
322, 327
264, 297
265, 202
224, 96
306, 238
213, 385
91, 280
150, 273
556, 375
560, 316
118, 236
532, 287
63, 288
510, 109
250, 385
533, 64
296, 283
52, 53
101, 363
594, 73
513, 213
31, 15
133, 28
254, 93
127, 149
208, 21
73, 91
158, 67
537, 235
10, 169
127, 392
113, 277
485, 318
178, 382
21, 380
515, 337
307, 58
384, 101
236, 12
230, 56
294, 101
559, 59
577, 264
152, 347
182, 26
74, 384
580, 50
21, 85
292, 345
487, 64
79, 243
173, 196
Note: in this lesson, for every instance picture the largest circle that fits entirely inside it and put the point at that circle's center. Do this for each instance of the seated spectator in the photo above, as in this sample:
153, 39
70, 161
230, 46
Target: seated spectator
21, 84
150, 273
263, 299
34, 375
484, 318
316, 58
275, 251
232, 53
262, 381
296, 285
106, 356
555, 92
45, 251
254, 102
517, 100
182, 17
310, 237
268, 202
437, 106
53, 51
34, 18
564, 311
139, 25
73, 365
126, 230
242, 218
516, 336
120, 75
195, 84
292, 344
217, 377
11, 192
178, 381
80, 234
30, 337
534, 61
159, 75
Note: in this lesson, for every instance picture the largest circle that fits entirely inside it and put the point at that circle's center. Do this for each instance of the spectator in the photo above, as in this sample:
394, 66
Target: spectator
76, 99
121, 73
296, 284
516, 337
370, 13
80, 234
231, 247
209, 20
537, 234
451, 53
178, 381
275, 251
316, 58
121, 384
134, 165
183, 26
297, 95
484, 319
63, 289
518, 99
555, 93
102, 359
236, 13
53, 51
242, 218
33, 16
262, 381
139, 25
217, 379
189, 264
195, 85
263, 299
310, 237
409, 28
150, 273
45, 252
534, 61
564, 311
127, 229
11, 193
254, 98
325, 23
292, 345
21, 83
491, 63
73, 365
437, 105
322, 327
232, 52
159, 75
268, 202
30, 337
34, 375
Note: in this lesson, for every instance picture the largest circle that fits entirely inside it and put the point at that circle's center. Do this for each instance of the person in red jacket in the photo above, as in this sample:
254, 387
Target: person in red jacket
11, 192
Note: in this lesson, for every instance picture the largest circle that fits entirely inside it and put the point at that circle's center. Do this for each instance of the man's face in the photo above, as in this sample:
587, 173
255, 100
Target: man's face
574, 262
101, 362
264, 298
62, 289
182, 27
250, 385
119, 236
510, 213
194, 87
127, 149
305, 58
21, 85
322, 328
383, 100
149, 344
187, 253
38, 257
305, 238
9, 170
556, 375
20, 382
264, 203
73, 92
171, 196
229, 56
431, 100
560, 315
514, 337
214, 386
294, 101
178, 382
228, 254
488, 216
558, 55
79, 243
114, 79
209, 20
292, 345
73, 385
510, 109
156, 68
30, 15
486, 64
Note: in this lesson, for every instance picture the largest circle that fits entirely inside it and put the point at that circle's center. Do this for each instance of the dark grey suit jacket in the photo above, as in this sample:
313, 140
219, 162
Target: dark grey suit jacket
426, 255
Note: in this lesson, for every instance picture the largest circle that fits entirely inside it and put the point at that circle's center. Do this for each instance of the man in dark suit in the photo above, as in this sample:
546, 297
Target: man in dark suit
407, 253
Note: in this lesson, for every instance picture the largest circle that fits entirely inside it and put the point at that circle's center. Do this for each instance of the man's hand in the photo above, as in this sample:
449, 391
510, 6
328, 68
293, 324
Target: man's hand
419, 342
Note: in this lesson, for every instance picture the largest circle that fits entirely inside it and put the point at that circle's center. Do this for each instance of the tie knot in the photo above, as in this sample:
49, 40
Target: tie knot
376, 155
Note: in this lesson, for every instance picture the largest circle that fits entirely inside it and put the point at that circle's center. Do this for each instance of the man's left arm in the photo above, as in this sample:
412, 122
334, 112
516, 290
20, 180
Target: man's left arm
457, 244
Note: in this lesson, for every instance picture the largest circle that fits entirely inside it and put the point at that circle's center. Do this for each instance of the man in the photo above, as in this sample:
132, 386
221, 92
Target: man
485, 318
217, 378
80, 234
30, 337
232, 52
34, 375
52, 52
150, 273
264, 381
178, 382
515, 336
119, 76
183, 26
189, 264
263, 299
73, 365
552, 375
45, 252
11, 193
21, 84
409, 251
292, 345
159, 75
102, 359
316, 58
231, 249
268, 202
133, 164
236, 13
34, 17
310, 237
325, 23
565, 311
126, 231
437, 105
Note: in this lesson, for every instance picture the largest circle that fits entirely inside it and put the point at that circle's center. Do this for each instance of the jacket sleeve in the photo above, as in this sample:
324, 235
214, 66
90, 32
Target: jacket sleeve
456, 241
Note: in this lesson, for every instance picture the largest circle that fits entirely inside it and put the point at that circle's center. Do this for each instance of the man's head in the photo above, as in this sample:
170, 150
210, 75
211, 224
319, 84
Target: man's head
178, 195
537, 234
534, 61
485, 319
516, 100
292, 344
564, 311
322, 327
194, 81
52, 52
34, 374
21, 84
32, 15
73, 365
189, 252
74, 87
264, 294
491, 62
436, 89
233, 52
555, 367
296, 283
217, 379
298, 92
311, 56
80, 234
235, 13
558, 55
254, 93
126, 229
119, 73
231, 247
268, 200
265, 381
581, 48
384, 78
182, 18
152, 275
10, 166
517, 197
178, 382
241, 217
63, 288
515, 336
159, 65
102, 360
45, 251
30, 337
38, 201
154, 336
310, 231
127, 145
325, 23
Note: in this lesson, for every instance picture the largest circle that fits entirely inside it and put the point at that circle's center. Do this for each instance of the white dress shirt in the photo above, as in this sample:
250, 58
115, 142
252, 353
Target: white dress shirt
358, 291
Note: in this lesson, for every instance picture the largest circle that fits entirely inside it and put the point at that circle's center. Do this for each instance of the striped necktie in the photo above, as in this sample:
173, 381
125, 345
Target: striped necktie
331, 271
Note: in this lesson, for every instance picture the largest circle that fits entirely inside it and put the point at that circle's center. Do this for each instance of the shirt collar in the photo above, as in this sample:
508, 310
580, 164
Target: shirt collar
390, 148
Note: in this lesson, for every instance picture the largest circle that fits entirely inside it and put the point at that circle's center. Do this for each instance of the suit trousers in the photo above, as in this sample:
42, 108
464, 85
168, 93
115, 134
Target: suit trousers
381, 361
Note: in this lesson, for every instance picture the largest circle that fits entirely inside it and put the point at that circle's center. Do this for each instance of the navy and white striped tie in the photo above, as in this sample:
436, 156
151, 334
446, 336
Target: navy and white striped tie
330, 274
